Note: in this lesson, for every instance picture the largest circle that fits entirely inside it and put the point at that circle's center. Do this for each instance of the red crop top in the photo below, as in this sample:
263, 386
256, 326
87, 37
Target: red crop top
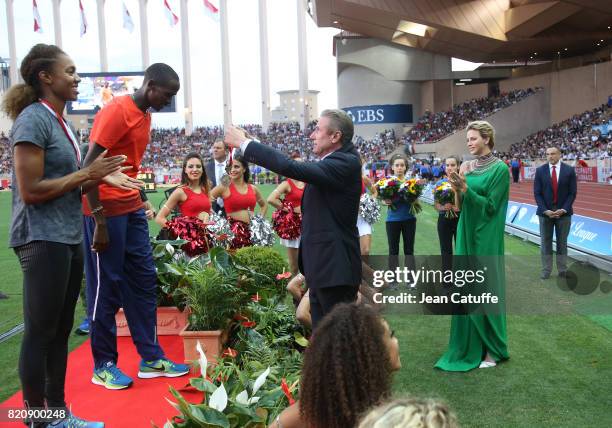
295, 194
236, 201
195, 203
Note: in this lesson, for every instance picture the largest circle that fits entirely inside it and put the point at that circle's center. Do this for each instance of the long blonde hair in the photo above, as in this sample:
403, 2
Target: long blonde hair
410, 413
485, 129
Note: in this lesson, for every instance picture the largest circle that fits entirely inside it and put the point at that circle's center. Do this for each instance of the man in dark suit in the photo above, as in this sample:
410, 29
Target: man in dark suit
329, 255
515, 165
554, 189
215, 170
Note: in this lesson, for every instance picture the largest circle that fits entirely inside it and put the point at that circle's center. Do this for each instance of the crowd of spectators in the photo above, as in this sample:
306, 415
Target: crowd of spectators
168, 147
379, 147
578, 138
6, 155
431, 127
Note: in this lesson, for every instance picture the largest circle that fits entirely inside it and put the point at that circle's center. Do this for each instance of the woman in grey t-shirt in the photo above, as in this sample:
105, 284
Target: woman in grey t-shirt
46, 228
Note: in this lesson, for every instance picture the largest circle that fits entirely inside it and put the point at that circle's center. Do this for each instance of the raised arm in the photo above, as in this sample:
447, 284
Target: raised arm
333, 171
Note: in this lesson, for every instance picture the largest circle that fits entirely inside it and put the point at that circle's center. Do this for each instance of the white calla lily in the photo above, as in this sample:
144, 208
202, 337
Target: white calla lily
170, 249
218, 399
253, 400
260, 380
243, 398
203, 360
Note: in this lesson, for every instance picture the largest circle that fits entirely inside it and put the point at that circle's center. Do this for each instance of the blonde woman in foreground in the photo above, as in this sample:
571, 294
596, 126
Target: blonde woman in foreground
410, 413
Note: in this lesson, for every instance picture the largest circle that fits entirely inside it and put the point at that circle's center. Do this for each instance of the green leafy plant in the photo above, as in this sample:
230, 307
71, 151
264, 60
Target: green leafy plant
251, 384
212, 297
267, 334
268, 263
171, 265
233, 397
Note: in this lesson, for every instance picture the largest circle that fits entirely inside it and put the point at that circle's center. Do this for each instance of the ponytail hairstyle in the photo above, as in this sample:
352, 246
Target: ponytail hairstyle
40, 58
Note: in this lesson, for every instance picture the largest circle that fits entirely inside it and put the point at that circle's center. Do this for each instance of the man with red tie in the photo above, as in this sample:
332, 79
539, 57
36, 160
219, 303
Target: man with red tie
554, 189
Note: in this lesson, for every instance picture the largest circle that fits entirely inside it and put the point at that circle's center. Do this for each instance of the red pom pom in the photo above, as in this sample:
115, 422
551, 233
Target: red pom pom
287, 223
191, 229
242, 234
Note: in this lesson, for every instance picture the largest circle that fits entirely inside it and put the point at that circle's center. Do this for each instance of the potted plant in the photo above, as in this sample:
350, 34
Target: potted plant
213, 298
248, 396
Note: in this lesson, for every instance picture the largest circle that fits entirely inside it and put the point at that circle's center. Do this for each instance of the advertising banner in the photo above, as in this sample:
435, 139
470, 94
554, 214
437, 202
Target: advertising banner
586, 234
386, 113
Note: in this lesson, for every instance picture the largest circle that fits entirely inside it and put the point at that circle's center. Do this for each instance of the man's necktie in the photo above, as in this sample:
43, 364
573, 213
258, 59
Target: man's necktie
554, 183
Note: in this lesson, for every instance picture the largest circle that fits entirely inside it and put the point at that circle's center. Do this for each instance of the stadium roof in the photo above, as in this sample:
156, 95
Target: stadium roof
477, 30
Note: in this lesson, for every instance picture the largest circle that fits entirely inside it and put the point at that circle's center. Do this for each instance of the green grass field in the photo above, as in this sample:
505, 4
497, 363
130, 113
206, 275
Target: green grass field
559, 373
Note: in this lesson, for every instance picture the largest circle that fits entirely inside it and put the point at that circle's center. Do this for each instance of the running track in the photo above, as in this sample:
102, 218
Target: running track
592, 200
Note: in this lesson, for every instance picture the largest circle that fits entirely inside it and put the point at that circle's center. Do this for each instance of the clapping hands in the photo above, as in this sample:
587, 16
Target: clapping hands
457, 181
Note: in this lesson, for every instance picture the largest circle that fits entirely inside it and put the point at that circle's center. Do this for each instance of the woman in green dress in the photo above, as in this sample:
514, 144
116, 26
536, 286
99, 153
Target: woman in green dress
481, 189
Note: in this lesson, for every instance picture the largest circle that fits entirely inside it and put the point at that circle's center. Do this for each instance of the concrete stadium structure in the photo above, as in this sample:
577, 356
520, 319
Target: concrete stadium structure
395, 57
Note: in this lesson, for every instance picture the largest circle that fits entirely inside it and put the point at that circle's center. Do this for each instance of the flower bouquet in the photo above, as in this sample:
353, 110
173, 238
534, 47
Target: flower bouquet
388, 188
410, 190
443, 194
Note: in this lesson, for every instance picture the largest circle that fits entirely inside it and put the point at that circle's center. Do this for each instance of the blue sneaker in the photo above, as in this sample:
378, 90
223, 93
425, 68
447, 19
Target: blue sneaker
72, 421
83, 328
162, 367
110, 377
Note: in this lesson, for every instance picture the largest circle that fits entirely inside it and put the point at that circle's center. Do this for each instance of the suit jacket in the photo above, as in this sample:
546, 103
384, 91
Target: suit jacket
329, 253
210, 173
566, 188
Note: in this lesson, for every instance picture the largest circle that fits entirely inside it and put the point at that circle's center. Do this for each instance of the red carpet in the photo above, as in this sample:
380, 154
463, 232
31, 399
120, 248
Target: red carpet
136, 406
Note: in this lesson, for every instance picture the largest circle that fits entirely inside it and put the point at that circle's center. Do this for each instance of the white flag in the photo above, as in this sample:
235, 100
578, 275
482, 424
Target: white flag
172, 18
83, 19
128, 24
37, 21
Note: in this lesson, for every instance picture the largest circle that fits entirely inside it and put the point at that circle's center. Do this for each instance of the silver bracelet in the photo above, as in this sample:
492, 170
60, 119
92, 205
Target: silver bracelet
97, 210
278, 422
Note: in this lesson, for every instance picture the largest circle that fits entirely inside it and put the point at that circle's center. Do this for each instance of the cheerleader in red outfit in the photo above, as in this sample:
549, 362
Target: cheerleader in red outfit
239, 199
292, 191
192, 196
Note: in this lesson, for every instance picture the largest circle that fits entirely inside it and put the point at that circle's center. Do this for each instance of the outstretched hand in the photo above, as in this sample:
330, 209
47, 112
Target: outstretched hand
234, 136
123, 181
